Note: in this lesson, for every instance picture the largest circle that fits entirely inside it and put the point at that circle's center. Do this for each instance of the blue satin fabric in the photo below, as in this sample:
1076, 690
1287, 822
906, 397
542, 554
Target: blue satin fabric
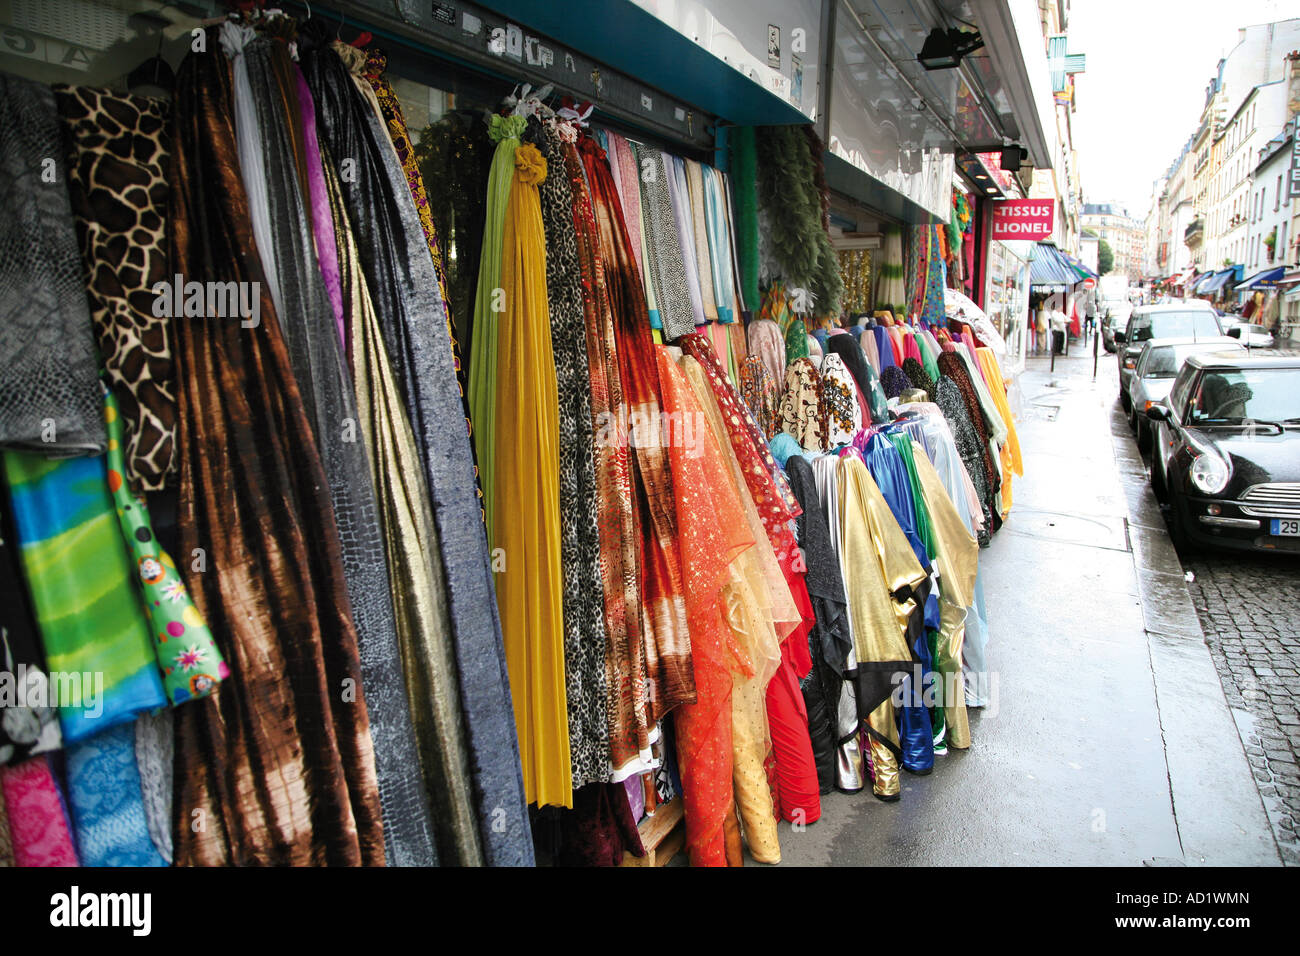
890, 474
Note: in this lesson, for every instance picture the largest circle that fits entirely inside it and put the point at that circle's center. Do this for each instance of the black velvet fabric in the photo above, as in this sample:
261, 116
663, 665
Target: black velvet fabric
829, 641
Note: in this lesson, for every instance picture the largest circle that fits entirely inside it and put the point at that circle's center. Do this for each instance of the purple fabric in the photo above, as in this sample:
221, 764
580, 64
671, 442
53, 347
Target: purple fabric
681, 200
322, 221
635, 796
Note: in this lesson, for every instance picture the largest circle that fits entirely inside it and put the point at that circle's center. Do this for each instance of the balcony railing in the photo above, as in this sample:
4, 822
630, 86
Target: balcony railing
1194, 231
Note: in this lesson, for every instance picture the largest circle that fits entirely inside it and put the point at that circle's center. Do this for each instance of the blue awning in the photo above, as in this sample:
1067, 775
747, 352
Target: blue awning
1264, 278
1050, 267
1202, 283
1217, 281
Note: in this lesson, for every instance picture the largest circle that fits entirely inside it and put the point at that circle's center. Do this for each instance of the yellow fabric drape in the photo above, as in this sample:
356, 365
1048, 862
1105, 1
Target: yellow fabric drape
758, 605
526, 497
1010, 452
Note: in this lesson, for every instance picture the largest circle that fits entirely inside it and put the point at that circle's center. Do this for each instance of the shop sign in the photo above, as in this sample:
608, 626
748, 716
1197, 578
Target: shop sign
1023, 218
1295, 159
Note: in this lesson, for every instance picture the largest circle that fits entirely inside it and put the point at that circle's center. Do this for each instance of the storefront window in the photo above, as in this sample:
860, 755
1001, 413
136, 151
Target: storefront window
1006, 300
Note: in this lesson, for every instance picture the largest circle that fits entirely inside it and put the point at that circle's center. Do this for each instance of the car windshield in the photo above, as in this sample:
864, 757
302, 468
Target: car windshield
1162, 325
1232, 396
1166, 360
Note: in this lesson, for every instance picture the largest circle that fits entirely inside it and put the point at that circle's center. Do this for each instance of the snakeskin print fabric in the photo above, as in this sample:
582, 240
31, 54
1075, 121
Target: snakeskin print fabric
50, 401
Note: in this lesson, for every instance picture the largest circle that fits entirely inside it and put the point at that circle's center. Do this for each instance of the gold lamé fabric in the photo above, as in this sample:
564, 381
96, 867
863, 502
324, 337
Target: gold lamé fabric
276, 768
758, 604
712, 534
525, 495
412, 546
957, 560
880, 563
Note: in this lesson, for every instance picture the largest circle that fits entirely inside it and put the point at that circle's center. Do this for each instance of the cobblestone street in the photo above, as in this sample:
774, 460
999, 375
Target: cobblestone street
1249, 607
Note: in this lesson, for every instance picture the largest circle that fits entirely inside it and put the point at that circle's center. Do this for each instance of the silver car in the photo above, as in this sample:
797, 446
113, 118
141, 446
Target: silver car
1194, 319
1156, 367
1251, 336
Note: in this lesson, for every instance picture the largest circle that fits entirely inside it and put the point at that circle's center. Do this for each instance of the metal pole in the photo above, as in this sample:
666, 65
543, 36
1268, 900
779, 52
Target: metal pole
1096, 336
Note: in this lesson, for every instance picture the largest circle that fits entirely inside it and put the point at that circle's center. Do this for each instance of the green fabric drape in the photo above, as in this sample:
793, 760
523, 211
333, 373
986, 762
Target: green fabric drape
505, 132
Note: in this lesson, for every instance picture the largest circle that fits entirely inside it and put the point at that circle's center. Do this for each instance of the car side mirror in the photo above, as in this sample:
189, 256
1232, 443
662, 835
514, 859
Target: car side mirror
1121, 337
1158, 413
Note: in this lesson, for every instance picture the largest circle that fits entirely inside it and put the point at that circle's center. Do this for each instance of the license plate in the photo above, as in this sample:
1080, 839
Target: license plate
1286, 527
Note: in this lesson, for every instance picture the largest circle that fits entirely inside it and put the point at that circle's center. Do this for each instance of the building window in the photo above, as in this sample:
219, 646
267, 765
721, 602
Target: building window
1277, 198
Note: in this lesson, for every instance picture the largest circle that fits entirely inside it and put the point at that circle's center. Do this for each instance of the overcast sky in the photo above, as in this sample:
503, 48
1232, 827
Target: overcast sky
1141, 96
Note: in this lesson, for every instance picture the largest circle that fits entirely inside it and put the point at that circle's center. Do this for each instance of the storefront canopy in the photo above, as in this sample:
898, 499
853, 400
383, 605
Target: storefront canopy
1263, 279
1216, 281
1051, 267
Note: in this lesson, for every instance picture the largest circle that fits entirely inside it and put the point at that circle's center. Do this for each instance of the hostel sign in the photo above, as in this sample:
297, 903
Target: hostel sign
1023, 218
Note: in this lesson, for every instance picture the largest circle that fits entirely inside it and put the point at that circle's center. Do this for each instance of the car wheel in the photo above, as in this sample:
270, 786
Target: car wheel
1125, 402
1143, 433
1177, 530
1157, 480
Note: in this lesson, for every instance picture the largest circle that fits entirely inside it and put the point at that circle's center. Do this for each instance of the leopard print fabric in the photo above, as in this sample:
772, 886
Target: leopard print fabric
585, 636
117, 158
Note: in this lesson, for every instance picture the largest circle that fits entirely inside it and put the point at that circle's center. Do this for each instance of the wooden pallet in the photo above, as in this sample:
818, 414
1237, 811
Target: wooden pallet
663, 836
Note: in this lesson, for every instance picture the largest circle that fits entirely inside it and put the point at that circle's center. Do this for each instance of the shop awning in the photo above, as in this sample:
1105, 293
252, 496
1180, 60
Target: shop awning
1263, 279
1050, 267
1218, 280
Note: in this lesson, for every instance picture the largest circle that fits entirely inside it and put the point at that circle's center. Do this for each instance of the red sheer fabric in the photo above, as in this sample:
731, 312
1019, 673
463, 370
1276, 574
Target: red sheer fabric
712, 532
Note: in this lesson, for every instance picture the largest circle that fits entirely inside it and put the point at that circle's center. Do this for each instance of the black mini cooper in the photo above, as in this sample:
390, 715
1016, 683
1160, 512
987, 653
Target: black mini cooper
1226, 454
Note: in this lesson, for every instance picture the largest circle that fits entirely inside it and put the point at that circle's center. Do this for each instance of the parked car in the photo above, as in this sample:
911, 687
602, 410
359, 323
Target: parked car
1251, 336
1193, 319
1153, 376
1226, 451
1115, 317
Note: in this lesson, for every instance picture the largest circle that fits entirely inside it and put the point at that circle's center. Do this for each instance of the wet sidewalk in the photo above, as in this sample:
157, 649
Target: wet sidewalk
1108, 740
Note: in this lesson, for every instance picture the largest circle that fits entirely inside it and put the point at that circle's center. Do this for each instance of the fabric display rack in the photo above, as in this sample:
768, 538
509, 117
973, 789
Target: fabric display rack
512, 491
